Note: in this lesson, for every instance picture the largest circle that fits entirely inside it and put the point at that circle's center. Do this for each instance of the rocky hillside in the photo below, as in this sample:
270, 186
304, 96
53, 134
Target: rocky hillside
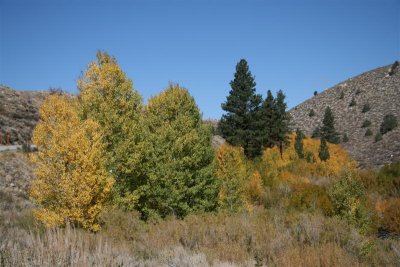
19, 114
369, 96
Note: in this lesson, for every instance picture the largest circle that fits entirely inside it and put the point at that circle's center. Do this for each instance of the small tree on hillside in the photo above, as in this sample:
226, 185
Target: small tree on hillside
239, 125
298, 145
327, 130
388, 124
323, 150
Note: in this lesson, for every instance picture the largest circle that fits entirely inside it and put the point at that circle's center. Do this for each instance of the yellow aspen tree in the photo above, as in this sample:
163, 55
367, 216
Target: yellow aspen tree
107, 96
232, 174
71, 183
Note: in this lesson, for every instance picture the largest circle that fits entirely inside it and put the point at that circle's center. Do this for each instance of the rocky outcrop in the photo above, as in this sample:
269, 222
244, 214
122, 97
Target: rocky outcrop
380, 90
19, 114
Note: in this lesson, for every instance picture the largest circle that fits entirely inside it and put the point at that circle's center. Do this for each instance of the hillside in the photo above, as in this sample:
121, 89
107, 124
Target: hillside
19, 113
378, 88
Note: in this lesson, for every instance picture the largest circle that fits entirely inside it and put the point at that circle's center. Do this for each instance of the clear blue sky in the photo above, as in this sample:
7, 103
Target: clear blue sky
297, 46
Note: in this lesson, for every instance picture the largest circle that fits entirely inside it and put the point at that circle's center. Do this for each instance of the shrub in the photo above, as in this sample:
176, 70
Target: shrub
312, 113
366, 108
389, 179
341, 95
316, 133
312, 198
393, 67
388, 124
378, 137
391, 216
255, 188
353, 102
345, 138
366, 123
358, 92
26, 148
368, 132
348, 199
315, 93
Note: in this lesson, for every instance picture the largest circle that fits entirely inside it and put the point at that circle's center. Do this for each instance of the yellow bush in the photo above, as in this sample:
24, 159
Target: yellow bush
71, 182
339, 159
254, 189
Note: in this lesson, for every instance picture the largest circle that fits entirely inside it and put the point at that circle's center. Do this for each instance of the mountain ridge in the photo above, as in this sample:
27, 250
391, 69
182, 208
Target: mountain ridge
380, 90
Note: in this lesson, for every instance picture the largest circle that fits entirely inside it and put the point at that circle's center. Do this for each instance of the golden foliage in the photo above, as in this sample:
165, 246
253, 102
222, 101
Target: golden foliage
231, 172
313, 166
71, 182
255, 188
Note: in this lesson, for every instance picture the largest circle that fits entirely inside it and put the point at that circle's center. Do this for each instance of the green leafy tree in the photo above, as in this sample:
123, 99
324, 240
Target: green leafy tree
106, 96
240, 124
327, 130
178, 171
323, 150
298, 145
280, 129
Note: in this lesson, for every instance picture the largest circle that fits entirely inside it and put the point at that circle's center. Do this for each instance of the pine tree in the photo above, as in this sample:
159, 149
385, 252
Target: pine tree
280, 128
240, 125
106, 96
323, 150
327, 130
178, 172
268, 118
298, 145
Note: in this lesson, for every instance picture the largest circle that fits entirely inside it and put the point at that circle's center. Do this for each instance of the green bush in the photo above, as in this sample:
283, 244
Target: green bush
388, 124
349, 202
312, 113
353, 102
345, 138
366, 108
366, 123
378, 137
389, 179
341, 95
368, 132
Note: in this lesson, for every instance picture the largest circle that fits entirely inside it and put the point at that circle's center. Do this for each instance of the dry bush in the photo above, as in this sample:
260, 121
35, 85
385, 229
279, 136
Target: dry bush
391, 216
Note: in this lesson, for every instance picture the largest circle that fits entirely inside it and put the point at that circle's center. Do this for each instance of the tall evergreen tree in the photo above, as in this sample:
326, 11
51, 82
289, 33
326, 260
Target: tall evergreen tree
323, 150
268, 115
240, 125
298, 145
280, 129
327, 130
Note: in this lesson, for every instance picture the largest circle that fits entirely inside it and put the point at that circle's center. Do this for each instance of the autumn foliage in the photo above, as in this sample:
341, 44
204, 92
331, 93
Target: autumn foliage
71, 182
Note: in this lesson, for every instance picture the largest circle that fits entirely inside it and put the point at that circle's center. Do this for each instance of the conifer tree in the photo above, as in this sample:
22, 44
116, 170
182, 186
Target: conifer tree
298, 145
178, 172
280, 129
323, 150
327, 130
268, 119
240, 124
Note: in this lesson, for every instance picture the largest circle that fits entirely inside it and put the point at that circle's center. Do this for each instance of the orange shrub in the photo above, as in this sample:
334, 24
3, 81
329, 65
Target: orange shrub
391, 216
